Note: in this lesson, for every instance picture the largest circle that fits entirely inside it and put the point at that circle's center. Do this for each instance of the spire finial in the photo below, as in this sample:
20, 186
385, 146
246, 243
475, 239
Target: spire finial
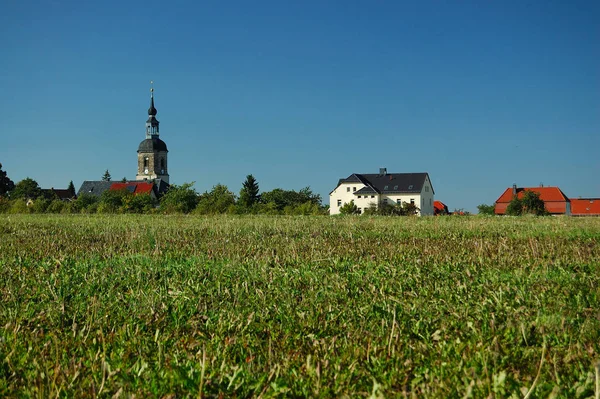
151, 88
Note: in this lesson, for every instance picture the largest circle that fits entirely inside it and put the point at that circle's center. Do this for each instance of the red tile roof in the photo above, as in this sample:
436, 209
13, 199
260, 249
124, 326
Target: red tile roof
554, 199
547, 194
439, 205
136, 187
585, 206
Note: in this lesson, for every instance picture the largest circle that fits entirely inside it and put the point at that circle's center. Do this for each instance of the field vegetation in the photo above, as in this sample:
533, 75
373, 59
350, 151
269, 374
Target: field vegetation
282, 306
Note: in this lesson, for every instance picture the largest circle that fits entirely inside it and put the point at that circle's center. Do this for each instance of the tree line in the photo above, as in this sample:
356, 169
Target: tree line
27, 197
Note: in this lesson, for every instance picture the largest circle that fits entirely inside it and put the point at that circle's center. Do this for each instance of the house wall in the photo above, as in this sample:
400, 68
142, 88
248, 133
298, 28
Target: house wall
345, 193
427, 199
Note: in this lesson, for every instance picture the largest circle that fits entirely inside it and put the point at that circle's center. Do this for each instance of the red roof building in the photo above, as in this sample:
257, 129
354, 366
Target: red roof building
134, 187
585, 206
439, 208
556, 202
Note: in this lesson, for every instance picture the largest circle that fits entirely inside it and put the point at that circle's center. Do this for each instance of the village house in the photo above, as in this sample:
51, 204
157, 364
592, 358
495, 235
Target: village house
439, 208
375, 190
555, 201
585, 206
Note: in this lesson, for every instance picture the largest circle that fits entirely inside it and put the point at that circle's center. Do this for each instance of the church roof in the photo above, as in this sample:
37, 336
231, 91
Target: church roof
152, 144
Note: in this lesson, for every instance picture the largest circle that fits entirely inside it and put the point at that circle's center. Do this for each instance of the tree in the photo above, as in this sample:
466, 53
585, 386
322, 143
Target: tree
124, 180
486, 209
218, 200
281, 199
27, 189
106, 176
111, 201
249, 192
349, 208
179, 199
6, 184
533, 204
71, 188
515, 207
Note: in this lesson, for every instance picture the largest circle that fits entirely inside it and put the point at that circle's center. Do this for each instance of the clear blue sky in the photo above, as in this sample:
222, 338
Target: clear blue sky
480, 95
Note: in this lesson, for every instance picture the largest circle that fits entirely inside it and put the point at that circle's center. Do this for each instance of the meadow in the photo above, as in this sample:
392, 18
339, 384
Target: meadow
264, 306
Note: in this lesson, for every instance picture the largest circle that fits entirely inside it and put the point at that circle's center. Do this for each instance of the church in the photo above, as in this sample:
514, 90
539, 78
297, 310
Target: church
152, 164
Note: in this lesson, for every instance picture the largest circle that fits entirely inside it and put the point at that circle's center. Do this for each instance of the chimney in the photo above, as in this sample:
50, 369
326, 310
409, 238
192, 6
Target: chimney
383, 171
514, 190
391, 177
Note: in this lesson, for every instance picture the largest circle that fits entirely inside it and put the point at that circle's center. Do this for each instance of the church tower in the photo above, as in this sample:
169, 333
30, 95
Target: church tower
152, 152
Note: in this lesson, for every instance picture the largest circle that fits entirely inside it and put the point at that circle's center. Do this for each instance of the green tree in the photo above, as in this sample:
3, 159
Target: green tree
282, 199
26, 188
106, 176
218, 200
349, 208
55, 206
124, 180
111, 201
179, 199
139, 203
486, 209
84, 201
6, 184
515, 207
249, 192
71, 188
533, 204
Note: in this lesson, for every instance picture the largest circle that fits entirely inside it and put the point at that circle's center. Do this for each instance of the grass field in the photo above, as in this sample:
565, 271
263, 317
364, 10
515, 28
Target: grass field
175, 306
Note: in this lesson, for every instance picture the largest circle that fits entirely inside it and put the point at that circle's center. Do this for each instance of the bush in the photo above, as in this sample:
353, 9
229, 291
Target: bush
55, 206
349, 208
40, 205
19, 206
179, 199
486, 209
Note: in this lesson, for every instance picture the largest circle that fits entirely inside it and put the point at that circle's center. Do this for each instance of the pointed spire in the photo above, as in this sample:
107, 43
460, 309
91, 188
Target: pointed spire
152, 110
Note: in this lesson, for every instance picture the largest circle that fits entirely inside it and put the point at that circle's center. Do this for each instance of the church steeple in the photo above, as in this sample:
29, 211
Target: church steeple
152, 122
152, 152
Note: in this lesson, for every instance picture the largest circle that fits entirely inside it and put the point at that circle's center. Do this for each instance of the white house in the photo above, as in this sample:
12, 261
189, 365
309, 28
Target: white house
383, 188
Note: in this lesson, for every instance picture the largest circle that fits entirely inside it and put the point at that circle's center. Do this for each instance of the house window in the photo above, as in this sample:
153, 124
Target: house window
412, 201
359, 210
353, 189
347, 189
372, 196
384, 201
429, 201
358, 196
427, 189
399, 201
339, 202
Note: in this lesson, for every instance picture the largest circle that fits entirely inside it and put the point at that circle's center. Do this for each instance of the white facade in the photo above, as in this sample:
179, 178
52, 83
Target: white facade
347, 191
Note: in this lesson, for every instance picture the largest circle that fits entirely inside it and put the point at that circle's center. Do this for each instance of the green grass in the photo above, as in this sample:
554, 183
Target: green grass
153, 306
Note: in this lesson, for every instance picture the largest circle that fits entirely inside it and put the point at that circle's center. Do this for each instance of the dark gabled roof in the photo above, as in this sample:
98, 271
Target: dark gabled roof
366, 190
95, 188
62, 194
388, 182
396, 182
153, 144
